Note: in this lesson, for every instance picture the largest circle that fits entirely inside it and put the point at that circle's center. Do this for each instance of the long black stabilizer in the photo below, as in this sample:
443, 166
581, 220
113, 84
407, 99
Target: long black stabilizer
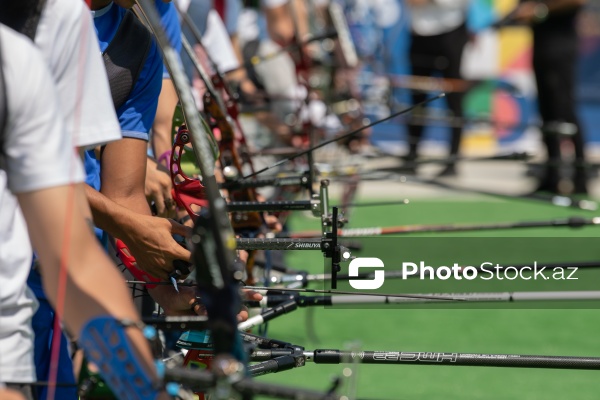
455, 359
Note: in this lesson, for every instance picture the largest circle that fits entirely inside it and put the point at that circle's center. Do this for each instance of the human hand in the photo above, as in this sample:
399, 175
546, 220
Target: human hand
158, 190
174, 303
530, 12
247, 295
417, 3
150, 241
271, 221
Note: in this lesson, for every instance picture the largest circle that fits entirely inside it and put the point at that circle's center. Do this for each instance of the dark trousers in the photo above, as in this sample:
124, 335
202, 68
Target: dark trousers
554, 64
438, 55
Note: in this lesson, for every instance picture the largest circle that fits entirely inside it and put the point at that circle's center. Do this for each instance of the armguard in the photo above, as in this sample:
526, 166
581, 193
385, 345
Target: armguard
105, 343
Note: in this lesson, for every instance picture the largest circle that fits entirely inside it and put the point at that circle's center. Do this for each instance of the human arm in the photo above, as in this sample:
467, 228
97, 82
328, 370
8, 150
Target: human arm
121, 208
536, 11
63, 238
162, 129
287, 25
8, 394
148, 238
47, 185
121, 211
280, 23
158, 189
417, 3
446, 3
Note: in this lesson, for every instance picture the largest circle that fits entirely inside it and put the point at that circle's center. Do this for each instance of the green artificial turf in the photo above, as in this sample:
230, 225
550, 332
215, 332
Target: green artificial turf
507, 329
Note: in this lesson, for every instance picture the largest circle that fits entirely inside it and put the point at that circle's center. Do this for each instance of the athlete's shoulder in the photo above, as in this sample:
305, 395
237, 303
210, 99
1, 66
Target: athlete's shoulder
18, 51
273, 3
66, 11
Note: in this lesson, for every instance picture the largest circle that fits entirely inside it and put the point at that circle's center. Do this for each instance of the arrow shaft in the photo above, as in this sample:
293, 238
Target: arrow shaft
345, 136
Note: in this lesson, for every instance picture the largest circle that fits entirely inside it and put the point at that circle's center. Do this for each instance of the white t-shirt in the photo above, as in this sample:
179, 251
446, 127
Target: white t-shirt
273, 3
37, 154
218, 44
438, 17
67, 39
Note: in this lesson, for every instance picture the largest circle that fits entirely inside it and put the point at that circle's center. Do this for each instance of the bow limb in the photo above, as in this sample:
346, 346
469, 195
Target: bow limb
213, 239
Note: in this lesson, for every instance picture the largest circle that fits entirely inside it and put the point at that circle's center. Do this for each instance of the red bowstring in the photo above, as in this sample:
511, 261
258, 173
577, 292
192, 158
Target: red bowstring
64, 258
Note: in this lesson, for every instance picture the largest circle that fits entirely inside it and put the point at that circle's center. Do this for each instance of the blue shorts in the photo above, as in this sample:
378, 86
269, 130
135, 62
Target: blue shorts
43, 327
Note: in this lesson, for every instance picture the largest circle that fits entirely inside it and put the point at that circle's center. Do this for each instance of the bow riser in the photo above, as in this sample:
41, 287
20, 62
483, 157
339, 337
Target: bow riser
187, 192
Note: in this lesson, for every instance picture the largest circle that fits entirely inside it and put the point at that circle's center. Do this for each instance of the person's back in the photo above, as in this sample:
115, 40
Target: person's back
21, 169
47, 186
62, 31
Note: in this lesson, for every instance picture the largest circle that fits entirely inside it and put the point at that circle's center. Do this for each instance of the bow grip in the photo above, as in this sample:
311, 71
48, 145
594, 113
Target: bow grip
131, 264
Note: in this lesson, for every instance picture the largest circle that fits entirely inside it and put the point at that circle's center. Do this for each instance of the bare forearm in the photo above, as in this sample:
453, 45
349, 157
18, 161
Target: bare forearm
280, 24
123, 174
107, 214
89, 271
149, 238
300, 14
64, 240
559, 6
162, 138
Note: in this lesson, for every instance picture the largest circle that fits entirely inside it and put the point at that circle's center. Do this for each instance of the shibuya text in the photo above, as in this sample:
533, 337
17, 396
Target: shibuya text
487, 271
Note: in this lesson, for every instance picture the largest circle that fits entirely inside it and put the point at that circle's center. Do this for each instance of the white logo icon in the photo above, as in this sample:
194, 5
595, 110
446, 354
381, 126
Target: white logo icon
367, 284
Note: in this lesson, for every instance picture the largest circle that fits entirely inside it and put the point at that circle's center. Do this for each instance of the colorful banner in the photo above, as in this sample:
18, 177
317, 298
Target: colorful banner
499, 60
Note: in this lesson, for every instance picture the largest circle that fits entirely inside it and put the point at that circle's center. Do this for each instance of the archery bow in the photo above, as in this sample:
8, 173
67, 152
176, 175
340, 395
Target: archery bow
213, 238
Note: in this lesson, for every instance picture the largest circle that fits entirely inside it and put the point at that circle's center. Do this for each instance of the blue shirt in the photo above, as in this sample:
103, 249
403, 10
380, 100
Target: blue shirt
136, 115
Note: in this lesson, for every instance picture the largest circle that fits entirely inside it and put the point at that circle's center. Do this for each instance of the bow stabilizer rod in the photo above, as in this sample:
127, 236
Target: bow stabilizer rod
345, 136
573, 222
483, 297
266, 291
323, 356
556, 200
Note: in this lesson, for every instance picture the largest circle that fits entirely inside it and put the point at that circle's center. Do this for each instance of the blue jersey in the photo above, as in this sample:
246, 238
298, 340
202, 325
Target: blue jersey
137, 114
